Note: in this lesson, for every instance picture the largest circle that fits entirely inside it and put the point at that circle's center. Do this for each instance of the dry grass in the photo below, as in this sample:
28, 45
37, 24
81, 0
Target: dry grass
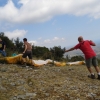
48, 83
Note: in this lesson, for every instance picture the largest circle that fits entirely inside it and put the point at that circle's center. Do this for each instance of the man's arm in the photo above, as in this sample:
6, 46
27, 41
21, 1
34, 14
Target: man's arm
71, 49
92, 43
25, 48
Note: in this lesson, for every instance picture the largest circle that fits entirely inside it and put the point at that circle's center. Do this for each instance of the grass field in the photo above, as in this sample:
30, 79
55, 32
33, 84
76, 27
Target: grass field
47, 83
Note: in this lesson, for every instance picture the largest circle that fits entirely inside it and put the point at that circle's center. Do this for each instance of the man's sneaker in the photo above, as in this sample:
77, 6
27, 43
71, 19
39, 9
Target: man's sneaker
91, 76
98, 77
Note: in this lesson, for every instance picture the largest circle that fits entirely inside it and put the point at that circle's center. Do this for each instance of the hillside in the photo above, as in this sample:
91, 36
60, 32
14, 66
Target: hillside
47, 83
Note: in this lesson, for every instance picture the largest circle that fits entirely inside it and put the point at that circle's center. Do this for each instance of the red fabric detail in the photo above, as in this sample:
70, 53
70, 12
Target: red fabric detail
85, 47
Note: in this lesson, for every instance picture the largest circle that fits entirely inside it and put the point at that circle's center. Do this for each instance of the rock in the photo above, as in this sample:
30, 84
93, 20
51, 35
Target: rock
3, 89
31, 94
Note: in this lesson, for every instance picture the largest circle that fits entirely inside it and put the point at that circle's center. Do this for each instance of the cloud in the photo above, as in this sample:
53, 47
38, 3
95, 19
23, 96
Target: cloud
16, 33
33, 42
62, 39
55, 38
56, 41
23, 2
47, 41
33, 11
8, 12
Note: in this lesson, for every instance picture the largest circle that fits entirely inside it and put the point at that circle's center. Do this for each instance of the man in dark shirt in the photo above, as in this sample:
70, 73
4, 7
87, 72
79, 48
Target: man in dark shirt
2, 47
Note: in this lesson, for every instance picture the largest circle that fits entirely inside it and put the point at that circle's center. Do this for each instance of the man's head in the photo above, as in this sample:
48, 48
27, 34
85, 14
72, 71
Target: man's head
25, 39
80, 38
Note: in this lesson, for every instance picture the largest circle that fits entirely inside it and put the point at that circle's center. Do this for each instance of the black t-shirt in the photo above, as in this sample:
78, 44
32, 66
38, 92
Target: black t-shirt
2, 45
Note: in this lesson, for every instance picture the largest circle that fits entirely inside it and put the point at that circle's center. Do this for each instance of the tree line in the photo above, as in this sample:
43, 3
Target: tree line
17, 46
54, 53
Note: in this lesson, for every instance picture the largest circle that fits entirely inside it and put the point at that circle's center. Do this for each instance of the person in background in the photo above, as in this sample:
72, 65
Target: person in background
27, 52
90, 55
2, 47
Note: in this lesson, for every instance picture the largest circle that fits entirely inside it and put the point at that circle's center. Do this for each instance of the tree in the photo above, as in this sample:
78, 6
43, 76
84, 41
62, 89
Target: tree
18, 45
77, 58
57, 52
39, 51
9, 43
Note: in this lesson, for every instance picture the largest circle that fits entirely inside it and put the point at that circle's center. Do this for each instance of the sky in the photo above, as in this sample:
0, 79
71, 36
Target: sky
51, 23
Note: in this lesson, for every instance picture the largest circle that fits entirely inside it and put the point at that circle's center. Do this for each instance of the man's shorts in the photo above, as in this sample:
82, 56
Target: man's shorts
27, 53
91, 61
